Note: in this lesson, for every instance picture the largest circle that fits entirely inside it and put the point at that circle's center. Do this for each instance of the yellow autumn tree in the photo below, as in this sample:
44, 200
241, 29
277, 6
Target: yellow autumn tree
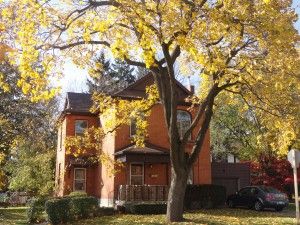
238, 47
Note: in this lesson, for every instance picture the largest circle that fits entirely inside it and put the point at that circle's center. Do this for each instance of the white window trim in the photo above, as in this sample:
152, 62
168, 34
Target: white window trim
87, 125
78, 168
143, 176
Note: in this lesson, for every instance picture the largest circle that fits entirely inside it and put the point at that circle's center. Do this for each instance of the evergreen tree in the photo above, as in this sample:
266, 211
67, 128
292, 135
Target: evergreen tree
141, 71
27, 138
110, 78
100, 75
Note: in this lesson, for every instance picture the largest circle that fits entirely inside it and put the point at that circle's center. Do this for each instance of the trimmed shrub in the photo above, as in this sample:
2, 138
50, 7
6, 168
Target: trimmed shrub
83, 207
106, 211
147, 208
58, 210
78, 194
204, 196
36, 208
62, 210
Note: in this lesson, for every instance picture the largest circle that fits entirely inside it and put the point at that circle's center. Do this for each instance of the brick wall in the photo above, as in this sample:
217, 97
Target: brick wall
102, 183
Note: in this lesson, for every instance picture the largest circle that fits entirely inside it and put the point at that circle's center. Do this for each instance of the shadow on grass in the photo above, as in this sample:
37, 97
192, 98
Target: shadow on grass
211, 217
124, 219
13, 215
245, 212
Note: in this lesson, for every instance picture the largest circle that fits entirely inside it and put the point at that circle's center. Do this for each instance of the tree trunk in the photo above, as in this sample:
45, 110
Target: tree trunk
176, 195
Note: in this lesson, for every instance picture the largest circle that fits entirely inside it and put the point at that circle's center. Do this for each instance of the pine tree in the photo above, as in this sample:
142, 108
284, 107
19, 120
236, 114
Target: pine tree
141, 71
110, 78
100, 75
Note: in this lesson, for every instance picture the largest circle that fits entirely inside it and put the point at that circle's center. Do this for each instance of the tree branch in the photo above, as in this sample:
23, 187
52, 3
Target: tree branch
199, 114
104, 3
63, 47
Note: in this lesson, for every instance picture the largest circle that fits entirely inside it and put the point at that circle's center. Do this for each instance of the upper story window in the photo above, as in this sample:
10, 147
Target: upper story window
183, 122
60, 137
132, 127
80, 126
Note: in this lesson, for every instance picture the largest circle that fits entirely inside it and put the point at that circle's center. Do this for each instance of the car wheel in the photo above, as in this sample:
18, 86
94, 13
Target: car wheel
230, 204
258, 206
279, 208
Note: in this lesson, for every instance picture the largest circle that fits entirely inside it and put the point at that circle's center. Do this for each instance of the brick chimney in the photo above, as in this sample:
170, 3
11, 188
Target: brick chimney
192, 88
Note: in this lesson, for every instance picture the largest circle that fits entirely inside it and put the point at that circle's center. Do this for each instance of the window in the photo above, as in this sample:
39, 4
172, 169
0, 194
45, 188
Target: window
254, 191
60, 137
245, 192
183, 122
137, 174
132, 127
58, 173
80, 126
79, 179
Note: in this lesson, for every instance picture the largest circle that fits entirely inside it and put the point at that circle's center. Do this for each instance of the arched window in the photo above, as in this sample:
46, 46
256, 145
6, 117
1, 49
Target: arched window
183, 122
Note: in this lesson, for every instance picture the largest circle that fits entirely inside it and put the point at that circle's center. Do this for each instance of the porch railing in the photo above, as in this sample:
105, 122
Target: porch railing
143, 193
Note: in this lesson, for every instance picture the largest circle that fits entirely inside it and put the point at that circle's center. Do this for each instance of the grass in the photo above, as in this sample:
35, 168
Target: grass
210, 217
13, 215
17, 215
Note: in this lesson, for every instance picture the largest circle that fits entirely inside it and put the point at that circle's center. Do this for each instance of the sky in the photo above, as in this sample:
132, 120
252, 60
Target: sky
75, 78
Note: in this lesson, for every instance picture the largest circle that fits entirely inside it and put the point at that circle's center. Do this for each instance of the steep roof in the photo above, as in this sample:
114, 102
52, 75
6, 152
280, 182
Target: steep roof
78, 102
82, 102
138, 89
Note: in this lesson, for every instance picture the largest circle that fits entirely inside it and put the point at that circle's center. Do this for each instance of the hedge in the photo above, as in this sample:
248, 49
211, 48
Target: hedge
58, 210
106, 211
147, 208
78, 194
62, 210
83, 207
204, 196
36, 208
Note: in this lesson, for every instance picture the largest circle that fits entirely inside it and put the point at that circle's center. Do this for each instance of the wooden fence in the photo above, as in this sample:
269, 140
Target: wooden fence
143, 193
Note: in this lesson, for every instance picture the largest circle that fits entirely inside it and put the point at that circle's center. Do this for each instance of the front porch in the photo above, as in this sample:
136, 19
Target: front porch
146, 175
142, 193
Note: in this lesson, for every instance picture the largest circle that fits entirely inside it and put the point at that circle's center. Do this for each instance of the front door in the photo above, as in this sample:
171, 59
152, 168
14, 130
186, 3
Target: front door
136, 173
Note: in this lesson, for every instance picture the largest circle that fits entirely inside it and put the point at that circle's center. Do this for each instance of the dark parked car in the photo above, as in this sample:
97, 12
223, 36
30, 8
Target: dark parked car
258, 197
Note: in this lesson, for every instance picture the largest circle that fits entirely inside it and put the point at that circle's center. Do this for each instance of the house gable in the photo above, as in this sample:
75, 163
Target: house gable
137, 90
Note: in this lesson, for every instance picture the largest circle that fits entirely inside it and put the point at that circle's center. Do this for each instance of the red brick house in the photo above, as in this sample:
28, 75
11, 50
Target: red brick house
142, 166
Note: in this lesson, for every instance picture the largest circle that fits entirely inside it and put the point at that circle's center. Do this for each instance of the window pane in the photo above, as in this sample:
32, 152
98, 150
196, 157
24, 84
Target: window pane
183, 121
183, 115
136, 180
132, 127
80, 126
79, 185
79, 174
136, 169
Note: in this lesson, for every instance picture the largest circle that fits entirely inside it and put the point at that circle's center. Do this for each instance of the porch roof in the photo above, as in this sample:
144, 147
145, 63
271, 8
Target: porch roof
149, 153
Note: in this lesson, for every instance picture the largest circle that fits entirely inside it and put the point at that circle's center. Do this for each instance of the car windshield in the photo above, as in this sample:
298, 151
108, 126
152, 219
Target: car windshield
270, 190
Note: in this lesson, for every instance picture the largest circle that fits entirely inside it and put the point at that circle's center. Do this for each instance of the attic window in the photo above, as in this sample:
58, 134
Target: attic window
80, 126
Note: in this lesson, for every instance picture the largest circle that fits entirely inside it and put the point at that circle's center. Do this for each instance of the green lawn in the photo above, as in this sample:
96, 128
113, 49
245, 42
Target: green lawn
16, 215
13, 215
